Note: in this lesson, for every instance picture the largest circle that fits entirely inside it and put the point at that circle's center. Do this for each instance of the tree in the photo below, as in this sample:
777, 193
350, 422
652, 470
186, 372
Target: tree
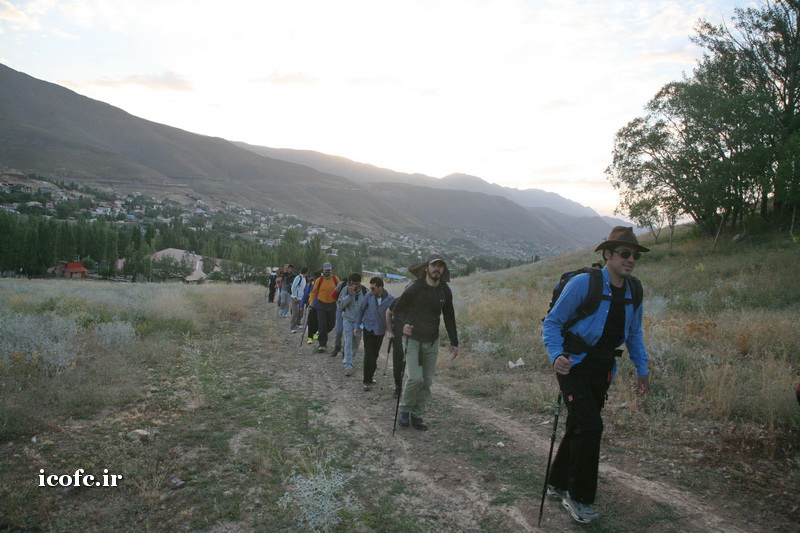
314, 257
764, 49
719, 144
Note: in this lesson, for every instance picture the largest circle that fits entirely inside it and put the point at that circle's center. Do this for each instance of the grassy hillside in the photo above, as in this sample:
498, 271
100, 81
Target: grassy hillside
82, 364
721, 326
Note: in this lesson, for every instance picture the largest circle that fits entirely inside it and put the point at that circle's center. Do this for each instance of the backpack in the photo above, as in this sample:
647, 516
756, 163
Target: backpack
340, 285
595, 294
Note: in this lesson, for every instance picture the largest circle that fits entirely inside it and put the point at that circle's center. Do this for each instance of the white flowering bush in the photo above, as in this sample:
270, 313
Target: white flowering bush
114, 335
48, 340
317, 499
486, 347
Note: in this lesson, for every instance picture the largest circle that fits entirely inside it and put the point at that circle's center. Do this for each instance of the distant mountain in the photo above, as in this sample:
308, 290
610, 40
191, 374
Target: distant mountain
54, 132
366, 173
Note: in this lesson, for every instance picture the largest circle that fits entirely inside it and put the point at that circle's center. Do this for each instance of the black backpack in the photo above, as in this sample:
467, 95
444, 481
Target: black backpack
595, 294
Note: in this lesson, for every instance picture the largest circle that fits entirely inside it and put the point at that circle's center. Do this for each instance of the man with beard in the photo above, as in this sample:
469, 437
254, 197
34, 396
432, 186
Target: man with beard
418, 309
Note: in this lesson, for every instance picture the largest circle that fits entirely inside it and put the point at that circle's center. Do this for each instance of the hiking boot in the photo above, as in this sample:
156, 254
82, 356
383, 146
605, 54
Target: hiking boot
558, 494
402, 420
396, 393
348, 373
581, 512
419, 424
335, 351
321, 349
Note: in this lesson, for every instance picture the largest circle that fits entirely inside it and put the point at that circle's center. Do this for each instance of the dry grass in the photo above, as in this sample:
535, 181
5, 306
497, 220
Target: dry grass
722, 335
74, 348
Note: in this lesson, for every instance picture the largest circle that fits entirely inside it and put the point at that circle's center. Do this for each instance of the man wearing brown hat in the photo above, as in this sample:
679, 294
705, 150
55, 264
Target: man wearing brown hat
583, 353
418, 309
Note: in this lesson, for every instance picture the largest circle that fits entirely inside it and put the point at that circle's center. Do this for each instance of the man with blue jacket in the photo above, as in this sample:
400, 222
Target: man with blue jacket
372, 321
349, 302
583, 357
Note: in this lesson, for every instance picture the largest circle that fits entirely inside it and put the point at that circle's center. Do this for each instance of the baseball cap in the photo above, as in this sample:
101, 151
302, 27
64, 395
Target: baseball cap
434, 258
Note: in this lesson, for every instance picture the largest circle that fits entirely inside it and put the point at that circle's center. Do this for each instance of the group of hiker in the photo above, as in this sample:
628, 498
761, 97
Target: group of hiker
594, 311
321, 304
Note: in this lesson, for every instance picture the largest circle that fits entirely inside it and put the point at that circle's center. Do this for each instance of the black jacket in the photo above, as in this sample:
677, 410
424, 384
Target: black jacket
420, 305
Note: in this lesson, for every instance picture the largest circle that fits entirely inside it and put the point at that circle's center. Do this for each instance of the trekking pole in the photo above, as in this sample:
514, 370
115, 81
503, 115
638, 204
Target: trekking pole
549, 457
402, 369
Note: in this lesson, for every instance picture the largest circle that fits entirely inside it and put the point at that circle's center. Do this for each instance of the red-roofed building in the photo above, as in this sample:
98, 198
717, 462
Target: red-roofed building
73, 270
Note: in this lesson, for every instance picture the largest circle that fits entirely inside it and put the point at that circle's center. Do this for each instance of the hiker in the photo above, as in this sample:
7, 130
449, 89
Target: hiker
394, 334
372, 322
339, 328
418, 309
308, 303
285, 297
349, 302
325, 303
298, 288
272, 284
583, 357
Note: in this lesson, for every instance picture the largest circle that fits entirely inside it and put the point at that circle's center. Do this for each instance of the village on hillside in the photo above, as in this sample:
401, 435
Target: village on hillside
31, 196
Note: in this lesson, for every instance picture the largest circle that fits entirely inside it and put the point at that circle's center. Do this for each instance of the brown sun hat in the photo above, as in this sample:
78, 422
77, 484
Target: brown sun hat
620, 236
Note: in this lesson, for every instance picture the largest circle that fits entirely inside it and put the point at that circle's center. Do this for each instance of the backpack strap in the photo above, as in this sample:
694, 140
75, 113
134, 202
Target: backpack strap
637, 292
593, 297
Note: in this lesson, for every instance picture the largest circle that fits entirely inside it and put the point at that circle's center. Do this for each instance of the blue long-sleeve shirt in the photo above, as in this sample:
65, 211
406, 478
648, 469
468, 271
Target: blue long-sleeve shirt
590, 329
372, 315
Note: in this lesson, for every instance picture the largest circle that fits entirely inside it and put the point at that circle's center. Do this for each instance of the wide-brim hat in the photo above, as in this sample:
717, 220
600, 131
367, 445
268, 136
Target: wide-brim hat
419, 270
621, 236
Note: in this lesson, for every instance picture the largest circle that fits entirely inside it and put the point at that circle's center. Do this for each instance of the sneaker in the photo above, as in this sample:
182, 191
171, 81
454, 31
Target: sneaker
397, 393
316, 336
348, 373
581, 512
309, 341
558, 494
321, 349
292, 331
419, 424
402, 420
367, 387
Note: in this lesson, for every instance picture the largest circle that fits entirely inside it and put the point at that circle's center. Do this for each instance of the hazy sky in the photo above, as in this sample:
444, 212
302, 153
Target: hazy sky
526, 94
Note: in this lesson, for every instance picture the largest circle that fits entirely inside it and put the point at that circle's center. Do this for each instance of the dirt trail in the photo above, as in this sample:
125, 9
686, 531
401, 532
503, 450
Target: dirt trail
446, 484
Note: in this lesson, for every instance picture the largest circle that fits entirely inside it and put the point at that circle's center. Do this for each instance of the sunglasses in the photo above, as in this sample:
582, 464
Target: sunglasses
626, 254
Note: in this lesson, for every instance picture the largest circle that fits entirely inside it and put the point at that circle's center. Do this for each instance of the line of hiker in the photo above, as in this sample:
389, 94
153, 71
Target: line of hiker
594, 311
321, 304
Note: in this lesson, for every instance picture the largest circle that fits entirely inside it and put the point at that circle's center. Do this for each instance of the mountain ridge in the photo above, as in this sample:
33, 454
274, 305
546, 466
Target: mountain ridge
51, 131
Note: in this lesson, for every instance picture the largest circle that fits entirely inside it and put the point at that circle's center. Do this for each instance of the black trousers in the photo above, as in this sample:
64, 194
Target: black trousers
577, 461
326, 320
312, 322
372, 350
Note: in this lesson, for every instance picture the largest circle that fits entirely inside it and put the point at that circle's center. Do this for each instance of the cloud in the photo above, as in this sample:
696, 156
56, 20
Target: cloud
558, 105
15, 17
553, 171
298, 78
383, 80
168, 81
